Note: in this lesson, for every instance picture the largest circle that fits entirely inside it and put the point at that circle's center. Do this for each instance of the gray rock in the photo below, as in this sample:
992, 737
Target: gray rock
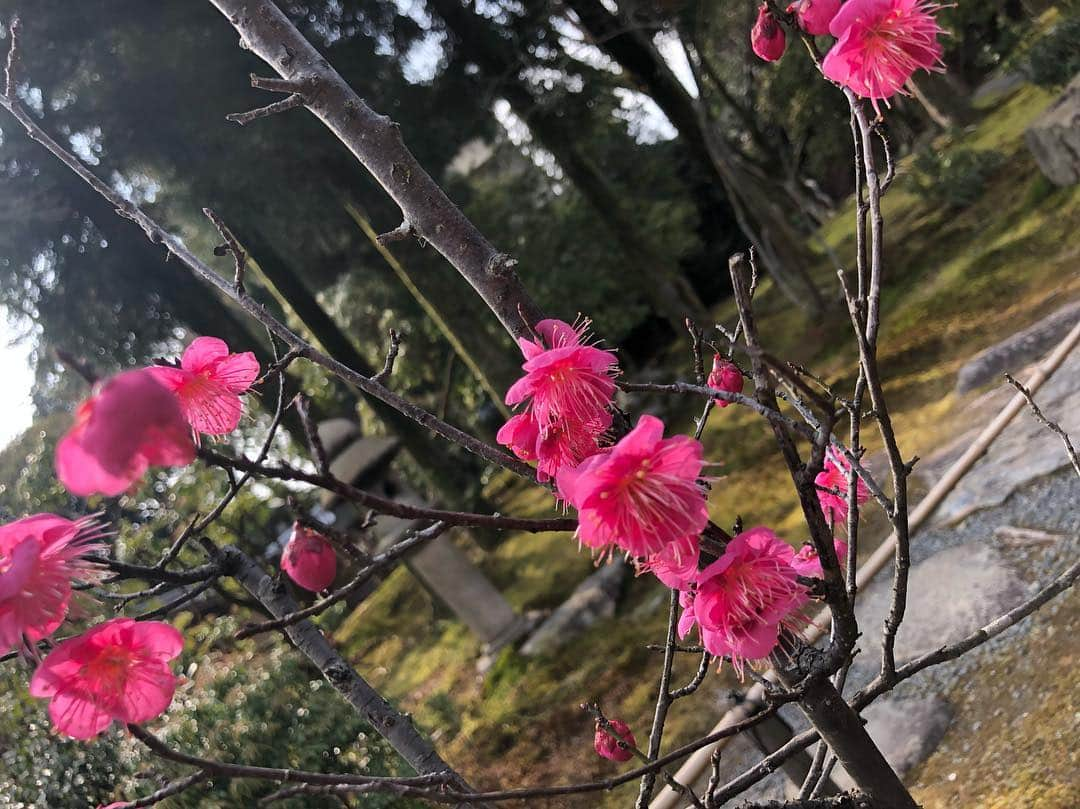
1024, 452
996, 89
1054, 138
906, 731
1018, 350
950, 595
592, 600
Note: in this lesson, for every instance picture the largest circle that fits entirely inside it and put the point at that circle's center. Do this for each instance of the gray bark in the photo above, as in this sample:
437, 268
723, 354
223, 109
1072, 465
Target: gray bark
376, 142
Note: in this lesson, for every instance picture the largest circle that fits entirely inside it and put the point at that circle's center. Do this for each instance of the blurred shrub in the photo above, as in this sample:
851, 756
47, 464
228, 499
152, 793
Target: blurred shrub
40, 769
955, 178
1054, 58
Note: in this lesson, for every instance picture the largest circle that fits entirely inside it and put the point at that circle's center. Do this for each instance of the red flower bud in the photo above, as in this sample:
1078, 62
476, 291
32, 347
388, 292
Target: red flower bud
767, 36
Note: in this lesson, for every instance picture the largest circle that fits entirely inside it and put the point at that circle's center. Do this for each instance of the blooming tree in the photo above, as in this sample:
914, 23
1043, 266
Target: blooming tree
636, 488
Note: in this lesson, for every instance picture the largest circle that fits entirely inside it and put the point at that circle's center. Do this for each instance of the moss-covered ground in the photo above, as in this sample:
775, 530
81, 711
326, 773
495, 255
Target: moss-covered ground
956, 281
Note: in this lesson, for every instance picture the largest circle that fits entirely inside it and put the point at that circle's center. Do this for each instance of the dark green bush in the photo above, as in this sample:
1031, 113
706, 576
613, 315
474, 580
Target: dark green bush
1054, 58
955, 178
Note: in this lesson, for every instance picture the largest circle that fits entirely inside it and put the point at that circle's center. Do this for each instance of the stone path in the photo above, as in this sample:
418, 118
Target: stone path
1025, 452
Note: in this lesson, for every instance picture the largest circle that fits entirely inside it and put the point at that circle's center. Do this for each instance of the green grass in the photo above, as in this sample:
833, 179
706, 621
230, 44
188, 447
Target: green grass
956, 281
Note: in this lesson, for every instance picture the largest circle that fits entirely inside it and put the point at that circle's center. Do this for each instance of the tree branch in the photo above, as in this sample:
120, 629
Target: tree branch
376, 142
1052, 426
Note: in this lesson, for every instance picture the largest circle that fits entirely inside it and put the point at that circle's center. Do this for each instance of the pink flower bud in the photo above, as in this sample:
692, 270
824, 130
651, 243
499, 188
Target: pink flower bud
814, 16
725, 375
309, 559
608, 747
767, 36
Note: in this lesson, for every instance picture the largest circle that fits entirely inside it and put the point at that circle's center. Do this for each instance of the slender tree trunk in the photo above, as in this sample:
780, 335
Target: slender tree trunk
763, 224
653, 275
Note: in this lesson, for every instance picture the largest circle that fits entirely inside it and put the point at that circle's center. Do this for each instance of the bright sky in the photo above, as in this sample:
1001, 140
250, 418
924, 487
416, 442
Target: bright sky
16, 410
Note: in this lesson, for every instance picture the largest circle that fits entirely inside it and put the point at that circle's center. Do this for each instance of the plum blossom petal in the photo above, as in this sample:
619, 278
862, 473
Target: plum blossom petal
118, 670
208, 384
40, 557
131, 422
741, 601
567, 392
767, 38
725, 375
807, 562
881, 43
832, 488
608, 747
677, 564
814, 16
642, 495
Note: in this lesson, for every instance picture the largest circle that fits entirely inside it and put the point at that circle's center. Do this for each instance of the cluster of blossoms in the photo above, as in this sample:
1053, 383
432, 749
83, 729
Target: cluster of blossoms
643, 495
567, 393
119, 669
879, 43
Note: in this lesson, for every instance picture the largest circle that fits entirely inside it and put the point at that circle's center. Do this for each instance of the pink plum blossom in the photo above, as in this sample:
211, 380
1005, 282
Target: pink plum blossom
743, 598
567, 392
881, 43
130, 423
39, 558
832, 488
118, 670
767, 36
807, 562
640, 496
208, 384
520, 435
725, 375
677, 564
309, 559
608, 747
814, 16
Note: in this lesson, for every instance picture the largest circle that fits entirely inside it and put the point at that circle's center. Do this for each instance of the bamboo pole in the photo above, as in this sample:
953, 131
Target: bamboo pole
692, 770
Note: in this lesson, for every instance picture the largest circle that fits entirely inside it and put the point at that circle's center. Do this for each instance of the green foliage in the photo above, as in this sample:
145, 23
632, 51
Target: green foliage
271, 710
28, 483
1054, 58
38, 769
955, 178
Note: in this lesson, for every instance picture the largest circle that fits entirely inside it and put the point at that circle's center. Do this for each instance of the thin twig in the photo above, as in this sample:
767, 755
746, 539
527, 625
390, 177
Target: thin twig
391, 355
167, 791
11, 78
311, 433
398, 234
285, 104
384, 505
231, 245
1052, 426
